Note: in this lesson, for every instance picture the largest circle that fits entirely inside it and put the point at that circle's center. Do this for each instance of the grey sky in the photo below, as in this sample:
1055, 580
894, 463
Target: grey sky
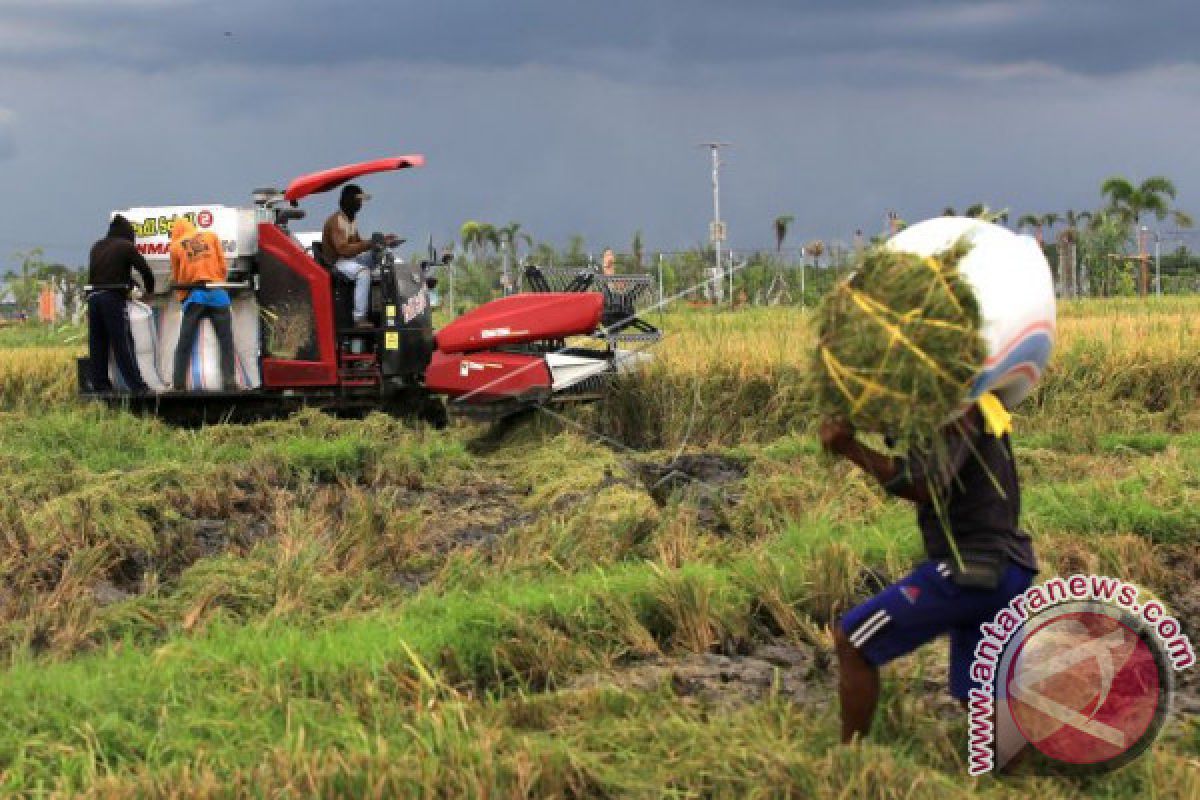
583, 117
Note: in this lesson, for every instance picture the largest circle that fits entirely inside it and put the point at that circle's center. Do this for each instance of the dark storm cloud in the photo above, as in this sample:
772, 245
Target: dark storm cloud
576, 117
642, 41
7, 145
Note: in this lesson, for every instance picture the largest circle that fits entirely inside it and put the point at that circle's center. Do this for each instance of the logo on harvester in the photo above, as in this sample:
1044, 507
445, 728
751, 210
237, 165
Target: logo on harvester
1077, 669
465, 367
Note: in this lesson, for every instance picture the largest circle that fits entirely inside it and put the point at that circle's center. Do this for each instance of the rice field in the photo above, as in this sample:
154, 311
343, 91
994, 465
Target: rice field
334, 608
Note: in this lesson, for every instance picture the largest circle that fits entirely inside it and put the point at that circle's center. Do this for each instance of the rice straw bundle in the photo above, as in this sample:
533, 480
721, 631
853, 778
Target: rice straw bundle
899, 344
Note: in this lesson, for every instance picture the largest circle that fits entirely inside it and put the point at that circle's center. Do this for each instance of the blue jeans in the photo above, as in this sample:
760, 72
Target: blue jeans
222, 322
358, 269
108, 328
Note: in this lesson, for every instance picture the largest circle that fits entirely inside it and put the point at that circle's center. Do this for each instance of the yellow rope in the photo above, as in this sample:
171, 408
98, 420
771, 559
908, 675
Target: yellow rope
939, 272
996, 419
879, 313
840, 374
871, 307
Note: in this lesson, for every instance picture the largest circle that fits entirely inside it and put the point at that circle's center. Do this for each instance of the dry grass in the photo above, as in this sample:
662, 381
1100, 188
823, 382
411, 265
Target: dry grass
336, 608
730, 377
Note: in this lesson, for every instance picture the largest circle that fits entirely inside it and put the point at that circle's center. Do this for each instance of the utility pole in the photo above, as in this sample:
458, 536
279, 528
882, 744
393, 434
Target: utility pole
717, 229
1143, 257
1157, 263
893, 221
453, 263
505, 273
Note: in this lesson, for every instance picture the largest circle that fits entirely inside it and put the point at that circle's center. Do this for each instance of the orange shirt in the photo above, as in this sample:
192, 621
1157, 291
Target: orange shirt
195, 256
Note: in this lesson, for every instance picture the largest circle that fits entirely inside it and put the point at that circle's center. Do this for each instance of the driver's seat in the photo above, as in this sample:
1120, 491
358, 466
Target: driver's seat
343, 290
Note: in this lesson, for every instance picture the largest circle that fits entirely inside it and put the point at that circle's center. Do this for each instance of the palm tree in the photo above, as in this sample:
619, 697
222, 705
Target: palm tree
545, 254
1068, 249
477, 237
1031, 221
948, 211
816, 249
1072, 218
575, 255
975, 210
511, 234
638, 249
469, 234
1131, 202
782, 223
489, 236
508, 235
1049, 220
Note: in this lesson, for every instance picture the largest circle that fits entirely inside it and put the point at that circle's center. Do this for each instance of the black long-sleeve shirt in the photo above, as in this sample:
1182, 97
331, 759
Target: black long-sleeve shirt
974, 494
113, 260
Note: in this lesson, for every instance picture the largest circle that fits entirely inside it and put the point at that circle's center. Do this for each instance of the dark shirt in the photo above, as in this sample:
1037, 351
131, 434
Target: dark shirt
113, 260
971, 478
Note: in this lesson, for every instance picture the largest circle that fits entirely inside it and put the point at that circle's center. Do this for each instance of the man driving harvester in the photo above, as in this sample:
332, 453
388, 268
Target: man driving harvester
968, 503
348, 252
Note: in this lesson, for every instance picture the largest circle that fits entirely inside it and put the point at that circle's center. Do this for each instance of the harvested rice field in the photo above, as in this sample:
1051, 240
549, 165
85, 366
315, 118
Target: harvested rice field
630, 601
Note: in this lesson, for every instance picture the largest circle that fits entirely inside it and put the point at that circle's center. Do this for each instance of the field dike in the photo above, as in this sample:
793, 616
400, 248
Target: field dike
335, 608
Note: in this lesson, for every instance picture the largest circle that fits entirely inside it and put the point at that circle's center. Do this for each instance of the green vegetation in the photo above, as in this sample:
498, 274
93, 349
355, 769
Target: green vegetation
899, 344
323, 607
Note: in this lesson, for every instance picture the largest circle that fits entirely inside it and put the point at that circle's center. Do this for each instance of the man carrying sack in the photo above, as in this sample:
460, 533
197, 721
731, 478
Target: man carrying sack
968, 502
197, 258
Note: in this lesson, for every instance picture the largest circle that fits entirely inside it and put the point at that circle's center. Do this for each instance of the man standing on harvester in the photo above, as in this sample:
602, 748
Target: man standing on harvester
110, 274
197, 258
348, 252
968, 503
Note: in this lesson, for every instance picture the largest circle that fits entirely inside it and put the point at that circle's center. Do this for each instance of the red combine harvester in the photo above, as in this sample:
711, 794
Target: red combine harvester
296, 344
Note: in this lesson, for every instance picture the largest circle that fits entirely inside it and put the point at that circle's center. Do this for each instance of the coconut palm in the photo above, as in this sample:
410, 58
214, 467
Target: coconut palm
1049, 220
975, 210
1068, 248
1153, 195
545, 254
1031, 221
511, 233
477, 237
468, 233
782, 223
489, 236
638, 249
1073, 218
816, 249
948, 211
1131, 203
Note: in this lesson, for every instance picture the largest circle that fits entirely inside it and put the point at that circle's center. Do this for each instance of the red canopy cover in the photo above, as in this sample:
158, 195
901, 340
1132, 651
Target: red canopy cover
326, 179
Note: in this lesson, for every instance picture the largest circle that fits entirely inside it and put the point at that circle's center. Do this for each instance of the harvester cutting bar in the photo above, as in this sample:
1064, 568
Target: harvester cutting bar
624, 296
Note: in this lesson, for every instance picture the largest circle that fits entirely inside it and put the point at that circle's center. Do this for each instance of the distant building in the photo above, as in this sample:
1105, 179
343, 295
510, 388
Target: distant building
8, 303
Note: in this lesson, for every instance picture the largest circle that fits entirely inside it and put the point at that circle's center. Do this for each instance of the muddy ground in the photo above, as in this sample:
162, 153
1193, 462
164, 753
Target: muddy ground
480, 513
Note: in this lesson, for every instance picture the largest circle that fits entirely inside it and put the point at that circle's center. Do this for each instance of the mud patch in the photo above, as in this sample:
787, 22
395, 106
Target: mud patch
474, 515
186, 543
799, 672
703, 480
1185, 607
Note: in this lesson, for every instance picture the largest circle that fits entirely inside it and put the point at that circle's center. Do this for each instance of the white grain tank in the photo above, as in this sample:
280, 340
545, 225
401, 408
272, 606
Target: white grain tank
155, 324
1013, 284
